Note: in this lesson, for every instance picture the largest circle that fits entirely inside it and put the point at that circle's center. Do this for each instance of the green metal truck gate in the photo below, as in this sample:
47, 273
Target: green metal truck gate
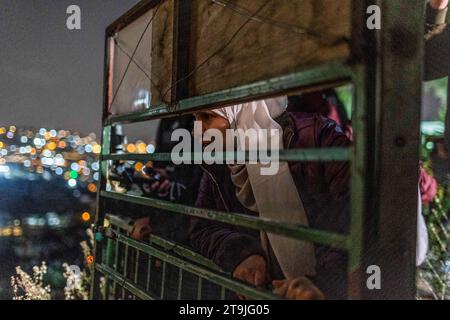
386, 73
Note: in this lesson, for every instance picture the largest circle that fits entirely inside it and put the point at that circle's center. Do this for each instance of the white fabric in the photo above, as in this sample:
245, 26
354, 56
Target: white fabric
276, 195
422, 235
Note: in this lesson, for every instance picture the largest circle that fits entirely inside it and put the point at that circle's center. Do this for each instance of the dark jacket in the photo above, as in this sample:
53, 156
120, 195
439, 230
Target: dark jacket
323, 188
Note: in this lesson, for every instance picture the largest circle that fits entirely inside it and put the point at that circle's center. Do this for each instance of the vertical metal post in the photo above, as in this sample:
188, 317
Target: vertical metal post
363, 122
391, 244
358, 184
180, 283
199, 288
163, 279
149, 269
109, 263
106, 148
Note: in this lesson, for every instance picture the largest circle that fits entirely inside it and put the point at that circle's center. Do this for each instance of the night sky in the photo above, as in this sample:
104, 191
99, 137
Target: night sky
50, 76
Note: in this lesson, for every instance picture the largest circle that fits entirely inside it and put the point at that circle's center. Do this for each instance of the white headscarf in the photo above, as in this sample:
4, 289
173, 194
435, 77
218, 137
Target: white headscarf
275, 196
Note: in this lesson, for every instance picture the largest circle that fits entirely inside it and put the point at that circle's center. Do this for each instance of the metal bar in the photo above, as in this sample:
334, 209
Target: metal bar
116, 262
180, 283
125, 283
149, 269
140, 116
109, 262
132, 15
358, 194
106, 145
116, 257
199, 288
399, 80
136, 267
319, 154
327, 75
299, 232
168, 245
163, 278
220, 279
183, 252
125, 268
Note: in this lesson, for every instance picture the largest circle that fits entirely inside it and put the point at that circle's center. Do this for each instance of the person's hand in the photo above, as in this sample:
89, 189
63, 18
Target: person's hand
439, 4
161, 187
297, 289
141, 229
428, 186
252, 270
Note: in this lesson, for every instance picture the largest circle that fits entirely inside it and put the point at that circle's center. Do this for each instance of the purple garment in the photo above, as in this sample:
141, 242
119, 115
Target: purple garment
323, 188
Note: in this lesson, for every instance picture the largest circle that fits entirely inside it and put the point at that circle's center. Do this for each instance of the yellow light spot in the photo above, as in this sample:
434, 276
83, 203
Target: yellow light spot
141, 147
47, 136
86, 216
2, 130
106, 223
51, 146
12, 129
1, 145
97, 149
6, 232
33, 151
131, 148
17, 231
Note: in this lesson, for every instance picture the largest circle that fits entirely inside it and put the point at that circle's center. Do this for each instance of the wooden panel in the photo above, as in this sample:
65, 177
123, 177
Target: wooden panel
162, 45
146, 81
270, 44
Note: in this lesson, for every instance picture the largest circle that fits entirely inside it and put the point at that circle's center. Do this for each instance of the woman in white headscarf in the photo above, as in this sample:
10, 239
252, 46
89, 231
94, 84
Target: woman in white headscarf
283, 196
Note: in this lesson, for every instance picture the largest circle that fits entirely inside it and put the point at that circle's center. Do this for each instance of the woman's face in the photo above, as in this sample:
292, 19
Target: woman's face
211, 120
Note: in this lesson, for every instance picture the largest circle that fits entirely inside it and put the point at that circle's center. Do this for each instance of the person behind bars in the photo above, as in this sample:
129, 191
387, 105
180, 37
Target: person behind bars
313, 194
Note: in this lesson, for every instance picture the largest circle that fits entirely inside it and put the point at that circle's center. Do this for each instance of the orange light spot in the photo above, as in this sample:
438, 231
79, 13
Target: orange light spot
51, 146
86, 216
90, 259
131, 148
138, 166
92, 187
